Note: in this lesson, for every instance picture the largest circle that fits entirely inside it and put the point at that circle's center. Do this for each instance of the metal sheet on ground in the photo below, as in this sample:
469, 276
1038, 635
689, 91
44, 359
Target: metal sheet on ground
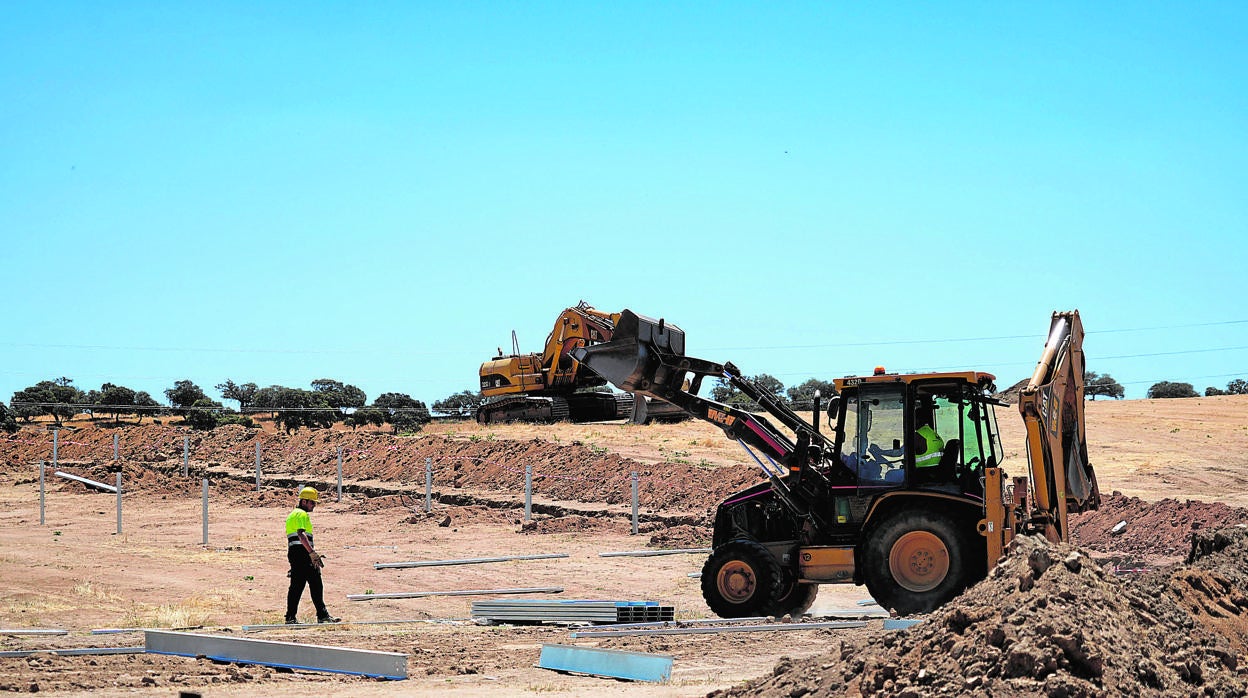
616, 664
777, 627
337, 660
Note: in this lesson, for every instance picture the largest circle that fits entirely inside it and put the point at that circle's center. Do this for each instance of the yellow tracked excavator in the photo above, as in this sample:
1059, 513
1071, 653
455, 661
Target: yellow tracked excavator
904, 494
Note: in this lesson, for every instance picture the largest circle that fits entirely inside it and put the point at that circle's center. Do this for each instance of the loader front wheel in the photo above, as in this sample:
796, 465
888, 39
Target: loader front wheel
917, 560
741, 579
794, 599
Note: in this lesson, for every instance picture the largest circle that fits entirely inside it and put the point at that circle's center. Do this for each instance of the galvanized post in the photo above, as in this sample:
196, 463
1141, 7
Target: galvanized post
634, 502
339, 474
205, 511
115, 446
257, 466
186, 454
428, 485
528, 492
41, 492
119, 504
55, 444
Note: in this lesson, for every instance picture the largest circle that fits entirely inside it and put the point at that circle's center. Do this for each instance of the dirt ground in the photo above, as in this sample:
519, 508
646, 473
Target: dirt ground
1167, 468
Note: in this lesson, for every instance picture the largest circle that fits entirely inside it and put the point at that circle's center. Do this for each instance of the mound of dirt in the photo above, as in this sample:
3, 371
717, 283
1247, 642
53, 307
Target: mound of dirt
1155, 532
1050, 622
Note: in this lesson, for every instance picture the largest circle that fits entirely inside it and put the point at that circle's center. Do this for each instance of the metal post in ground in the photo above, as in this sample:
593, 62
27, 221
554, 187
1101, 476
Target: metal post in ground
55, 445
205, 511
119, 504
186, 455
115, 446
41, 492
528, 492
257, 466
339, 474
428, 485
634, 502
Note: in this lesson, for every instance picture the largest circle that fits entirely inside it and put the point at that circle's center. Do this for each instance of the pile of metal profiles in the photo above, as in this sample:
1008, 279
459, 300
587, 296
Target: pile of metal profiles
571, 611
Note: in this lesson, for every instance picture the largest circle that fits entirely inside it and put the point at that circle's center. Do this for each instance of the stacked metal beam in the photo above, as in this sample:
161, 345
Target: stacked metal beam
571, 611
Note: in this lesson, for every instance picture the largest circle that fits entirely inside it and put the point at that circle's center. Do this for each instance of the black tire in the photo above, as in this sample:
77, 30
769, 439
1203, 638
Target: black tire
794, 597
915, 561
741, 579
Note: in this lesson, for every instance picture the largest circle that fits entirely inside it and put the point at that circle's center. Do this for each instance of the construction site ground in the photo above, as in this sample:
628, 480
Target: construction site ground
1111, 614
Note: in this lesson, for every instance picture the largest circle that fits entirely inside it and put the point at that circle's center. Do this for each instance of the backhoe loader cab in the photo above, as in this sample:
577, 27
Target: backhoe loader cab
904, 493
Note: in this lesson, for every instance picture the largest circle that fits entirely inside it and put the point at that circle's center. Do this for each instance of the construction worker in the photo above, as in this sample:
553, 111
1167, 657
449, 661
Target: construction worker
305, 562
933, 447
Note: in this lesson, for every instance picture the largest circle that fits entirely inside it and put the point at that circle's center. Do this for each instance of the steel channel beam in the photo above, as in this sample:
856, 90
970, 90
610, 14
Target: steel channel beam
76, 651
723, 629
337, 660
468, 561
32, 631
618, 664
463, 592
652, 553
296, 626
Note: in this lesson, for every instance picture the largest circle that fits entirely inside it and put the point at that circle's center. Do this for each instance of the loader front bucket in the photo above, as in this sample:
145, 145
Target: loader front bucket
634, 358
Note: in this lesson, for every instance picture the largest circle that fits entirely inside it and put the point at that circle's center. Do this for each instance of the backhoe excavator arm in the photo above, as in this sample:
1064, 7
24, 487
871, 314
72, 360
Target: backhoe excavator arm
1052, 407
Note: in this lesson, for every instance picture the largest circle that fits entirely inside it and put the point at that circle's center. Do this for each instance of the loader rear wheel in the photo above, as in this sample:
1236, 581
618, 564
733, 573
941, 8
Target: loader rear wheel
741, 579
915, 561
794, 599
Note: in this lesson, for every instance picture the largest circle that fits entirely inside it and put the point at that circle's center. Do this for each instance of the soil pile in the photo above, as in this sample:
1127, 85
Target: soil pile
1051, 622
1156, 532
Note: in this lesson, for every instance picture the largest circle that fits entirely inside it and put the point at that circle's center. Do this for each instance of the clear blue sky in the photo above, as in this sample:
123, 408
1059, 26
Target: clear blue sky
380, 194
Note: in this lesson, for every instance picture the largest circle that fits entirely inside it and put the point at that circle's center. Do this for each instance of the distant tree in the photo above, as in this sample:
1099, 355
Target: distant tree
403, 412
7, 422
1103, 386
303, 408
1212, 391
57, 398
204, 414
339, 395
144, 402
244, 393
770, 385
465, 402
1239, 386
365, 416
1169, 389
117, 399
266, 399
183, 395
723, 391
803, 394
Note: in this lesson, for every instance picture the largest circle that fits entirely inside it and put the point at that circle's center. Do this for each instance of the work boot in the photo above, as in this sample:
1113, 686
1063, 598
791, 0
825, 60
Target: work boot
328, 619
292, 621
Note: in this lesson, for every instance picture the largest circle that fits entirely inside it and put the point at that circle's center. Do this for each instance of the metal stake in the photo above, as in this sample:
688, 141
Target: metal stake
528, 492
186, 455
119, 504
339, 474
41, 493
634, 502
428, 485
205, 511
115, 446
55, 443
257, 466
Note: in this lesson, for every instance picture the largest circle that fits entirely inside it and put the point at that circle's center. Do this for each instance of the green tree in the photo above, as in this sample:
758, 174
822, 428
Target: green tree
1103, 386
1169, 389
183, 395
303, 408
365, 416
723, 391
204, 414
117, 399
339, 395
145, 403
803, 394
1239, 386
1212, 391
465, 402
245, 394
57, 398
7, 422
266, 399
403, 412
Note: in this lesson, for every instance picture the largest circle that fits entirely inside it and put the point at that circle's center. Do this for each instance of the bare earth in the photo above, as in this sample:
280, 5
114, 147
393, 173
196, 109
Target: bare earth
76, 573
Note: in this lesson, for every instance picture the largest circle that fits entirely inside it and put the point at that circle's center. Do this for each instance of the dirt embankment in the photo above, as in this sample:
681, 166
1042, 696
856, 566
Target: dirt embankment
1049, 621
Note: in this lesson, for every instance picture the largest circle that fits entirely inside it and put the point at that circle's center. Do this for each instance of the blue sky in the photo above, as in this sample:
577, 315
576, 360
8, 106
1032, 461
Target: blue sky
380, 194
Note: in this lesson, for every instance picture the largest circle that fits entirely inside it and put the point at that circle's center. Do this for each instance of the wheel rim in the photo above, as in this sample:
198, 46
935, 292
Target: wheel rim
736, 581
919, 561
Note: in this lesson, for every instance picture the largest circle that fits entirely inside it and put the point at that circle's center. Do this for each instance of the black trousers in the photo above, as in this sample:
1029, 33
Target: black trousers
303, 572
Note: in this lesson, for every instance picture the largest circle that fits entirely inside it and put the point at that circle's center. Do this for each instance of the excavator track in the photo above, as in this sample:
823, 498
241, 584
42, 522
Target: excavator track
578, 407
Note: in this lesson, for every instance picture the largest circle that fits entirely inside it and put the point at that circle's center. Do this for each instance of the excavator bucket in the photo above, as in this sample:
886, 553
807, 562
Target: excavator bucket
633, 359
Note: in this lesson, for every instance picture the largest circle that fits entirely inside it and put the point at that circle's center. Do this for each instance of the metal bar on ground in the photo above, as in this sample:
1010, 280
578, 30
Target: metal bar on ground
868, 602
683, 623
723, 629
296, 626
115, 631
854, 613
651, 553
85, 481
78, 651
338, 660
571, 611
32, 631
466, 561
901, 623
464, 592
617, 664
